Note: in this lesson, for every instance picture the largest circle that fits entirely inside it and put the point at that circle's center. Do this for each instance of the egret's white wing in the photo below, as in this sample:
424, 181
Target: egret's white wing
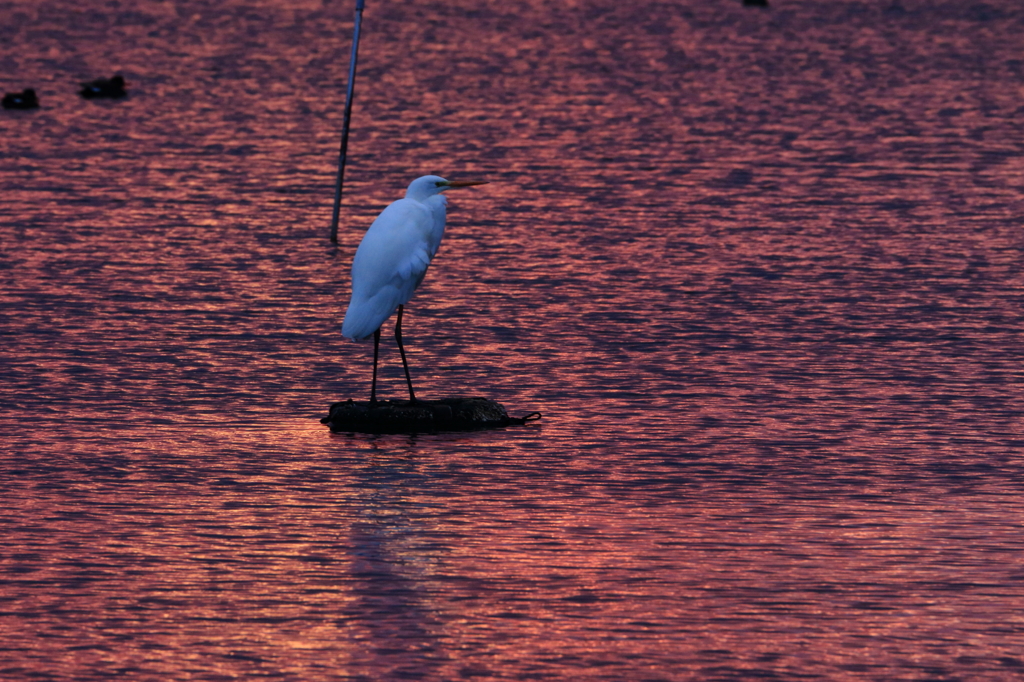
389, 264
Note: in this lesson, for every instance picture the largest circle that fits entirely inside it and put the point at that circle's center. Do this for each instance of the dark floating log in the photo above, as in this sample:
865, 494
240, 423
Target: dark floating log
422, 416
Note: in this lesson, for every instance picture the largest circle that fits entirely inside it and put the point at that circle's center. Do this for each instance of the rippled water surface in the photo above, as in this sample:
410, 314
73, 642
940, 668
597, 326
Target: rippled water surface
759, 268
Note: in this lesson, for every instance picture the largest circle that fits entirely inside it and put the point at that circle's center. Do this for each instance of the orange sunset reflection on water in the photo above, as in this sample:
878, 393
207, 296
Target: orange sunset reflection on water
759, 269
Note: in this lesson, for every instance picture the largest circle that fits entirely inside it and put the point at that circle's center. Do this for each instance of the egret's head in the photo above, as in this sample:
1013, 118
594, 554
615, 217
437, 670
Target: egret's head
429, 185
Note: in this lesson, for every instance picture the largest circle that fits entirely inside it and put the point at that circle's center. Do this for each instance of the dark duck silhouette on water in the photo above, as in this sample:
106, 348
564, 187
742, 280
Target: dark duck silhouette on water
104, 87
21, 100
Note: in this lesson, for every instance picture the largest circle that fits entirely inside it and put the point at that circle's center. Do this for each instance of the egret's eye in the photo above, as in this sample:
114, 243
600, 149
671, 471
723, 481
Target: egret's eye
439, 184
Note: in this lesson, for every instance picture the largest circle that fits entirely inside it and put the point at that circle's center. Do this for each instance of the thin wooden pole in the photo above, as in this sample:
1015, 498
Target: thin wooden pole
348, 118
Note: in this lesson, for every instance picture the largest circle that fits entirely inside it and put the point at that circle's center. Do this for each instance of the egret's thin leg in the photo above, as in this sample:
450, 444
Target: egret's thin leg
376, 350
401, 349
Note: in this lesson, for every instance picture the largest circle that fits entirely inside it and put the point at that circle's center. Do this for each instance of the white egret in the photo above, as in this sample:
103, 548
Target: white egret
392, 260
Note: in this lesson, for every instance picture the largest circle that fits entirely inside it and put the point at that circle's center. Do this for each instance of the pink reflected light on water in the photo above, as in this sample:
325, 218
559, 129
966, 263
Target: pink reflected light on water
759, 270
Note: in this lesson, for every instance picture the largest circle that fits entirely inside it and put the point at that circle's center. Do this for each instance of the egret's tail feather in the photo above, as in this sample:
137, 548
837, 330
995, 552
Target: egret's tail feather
365, 316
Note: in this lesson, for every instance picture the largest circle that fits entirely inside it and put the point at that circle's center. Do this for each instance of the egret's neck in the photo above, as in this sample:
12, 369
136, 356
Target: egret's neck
429, 198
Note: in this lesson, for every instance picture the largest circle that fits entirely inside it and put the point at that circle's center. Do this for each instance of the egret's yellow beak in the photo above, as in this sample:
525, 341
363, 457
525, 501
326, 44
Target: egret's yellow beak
465, 183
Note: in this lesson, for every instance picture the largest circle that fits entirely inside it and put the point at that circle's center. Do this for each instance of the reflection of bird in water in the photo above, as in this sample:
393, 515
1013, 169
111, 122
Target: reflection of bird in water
104, 87
21, 100
392, 260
